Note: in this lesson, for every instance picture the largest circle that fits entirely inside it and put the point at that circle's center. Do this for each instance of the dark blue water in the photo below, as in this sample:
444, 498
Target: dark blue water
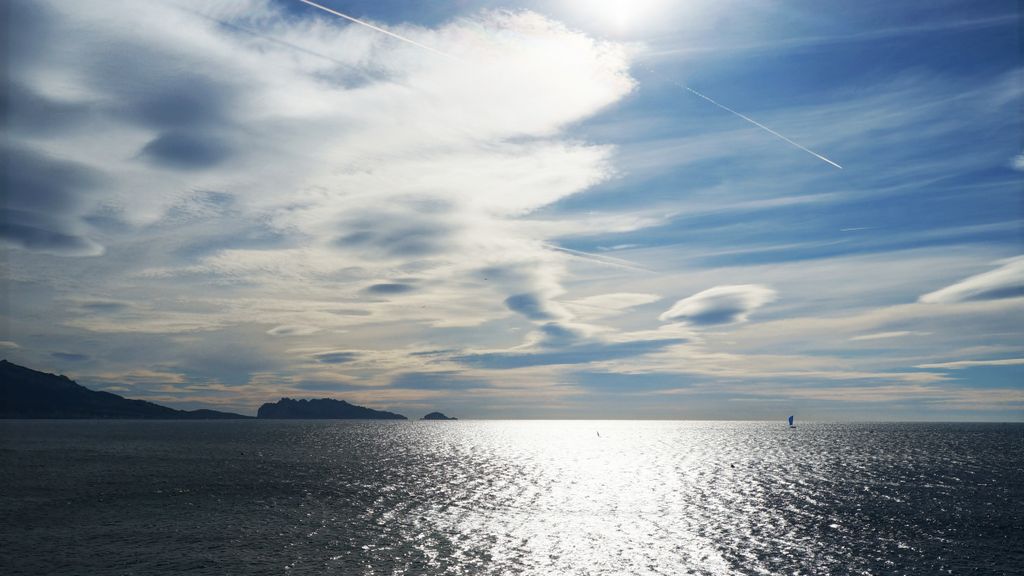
264, 497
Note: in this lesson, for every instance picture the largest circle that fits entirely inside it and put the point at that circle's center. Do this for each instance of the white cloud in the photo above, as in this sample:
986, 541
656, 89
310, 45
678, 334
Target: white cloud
343, 159
933, 395
959, 364
888, 335
697, 360
719, 305
603, 305
140, 376
1007, 281
248, 166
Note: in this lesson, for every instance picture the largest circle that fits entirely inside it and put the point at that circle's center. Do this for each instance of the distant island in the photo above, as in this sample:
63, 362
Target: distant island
323, 408
437, 416
26, 393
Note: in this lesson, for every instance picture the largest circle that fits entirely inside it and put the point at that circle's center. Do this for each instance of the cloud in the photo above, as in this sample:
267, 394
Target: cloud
175, 149
176, 100
371, 201
40, 239
979, 399
603, 305
418, 230
44, 197
1018, 162
719, 305
390, 288
293, 330
70, 356
141, 376
321, 386
340, 357
531, 306
742, 367
887, 335
299, 165
104, 307
560, 343
9, 344
31, 113
444, 380
580, 353
959, 364
351, 312
1007, 281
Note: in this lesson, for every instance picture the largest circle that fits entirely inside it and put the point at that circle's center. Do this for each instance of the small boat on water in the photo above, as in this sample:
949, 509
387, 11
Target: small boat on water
791, 422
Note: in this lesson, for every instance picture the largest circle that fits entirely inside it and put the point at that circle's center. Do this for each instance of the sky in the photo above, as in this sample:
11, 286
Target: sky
220, 203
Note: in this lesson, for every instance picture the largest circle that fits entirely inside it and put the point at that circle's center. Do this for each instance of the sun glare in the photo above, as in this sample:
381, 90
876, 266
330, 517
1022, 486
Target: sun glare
620, 15
616, 13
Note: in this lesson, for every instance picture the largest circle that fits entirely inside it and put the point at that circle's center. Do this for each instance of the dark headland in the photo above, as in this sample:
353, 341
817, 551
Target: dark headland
26, 393
324, 408
437, 416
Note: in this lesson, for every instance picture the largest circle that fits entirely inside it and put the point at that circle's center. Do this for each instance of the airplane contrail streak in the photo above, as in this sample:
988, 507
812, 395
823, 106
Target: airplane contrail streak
436, 51
372, 27
599, 258
761, 126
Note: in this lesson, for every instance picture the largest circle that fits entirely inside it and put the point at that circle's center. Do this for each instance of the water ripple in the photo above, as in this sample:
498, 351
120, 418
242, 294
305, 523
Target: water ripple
494, 498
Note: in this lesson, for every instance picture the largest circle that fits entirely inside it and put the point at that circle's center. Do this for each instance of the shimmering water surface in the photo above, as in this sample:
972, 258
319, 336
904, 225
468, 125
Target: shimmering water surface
318, 497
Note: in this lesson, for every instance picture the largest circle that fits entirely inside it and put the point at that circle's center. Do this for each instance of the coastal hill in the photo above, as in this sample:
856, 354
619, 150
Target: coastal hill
437, 416
27, 393
324, 408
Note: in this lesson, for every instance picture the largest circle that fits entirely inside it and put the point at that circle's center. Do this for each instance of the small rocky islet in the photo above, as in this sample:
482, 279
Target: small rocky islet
437, 416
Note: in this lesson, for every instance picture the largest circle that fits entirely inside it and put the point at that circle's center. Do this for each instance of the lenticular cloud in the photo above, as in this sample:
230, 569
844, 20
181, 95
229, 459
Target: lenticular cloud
719, 305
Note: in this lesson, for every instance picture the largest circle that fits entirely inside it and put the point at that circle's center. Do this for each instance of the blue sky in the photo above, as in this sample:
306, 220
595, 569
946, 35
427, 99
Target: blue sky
222, 203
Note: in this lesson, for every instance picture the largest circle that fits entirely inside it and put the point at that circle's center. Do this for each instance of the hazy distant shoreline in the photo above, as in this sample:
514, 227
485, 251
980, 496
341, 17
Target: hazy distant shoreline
27, 394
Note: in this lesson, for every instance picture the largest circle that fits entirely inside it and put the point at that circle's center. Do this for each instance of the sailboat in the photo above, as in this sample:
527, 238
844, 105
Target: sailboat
791, 422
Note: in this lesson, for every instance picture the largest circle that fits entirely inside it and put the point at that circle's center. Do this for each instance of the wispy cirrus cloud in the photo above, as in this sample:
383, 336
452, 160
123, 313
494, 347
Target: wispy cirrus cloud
960, 364
934, 395
887, 335
1006, 281
602, 305
198, 183
141, 377
70, 356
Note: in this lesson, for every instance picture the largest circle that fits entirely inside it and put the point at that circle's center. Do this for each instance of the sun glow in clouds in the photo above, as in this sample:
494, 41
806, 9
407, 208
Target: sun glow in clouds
621, 15
500, 212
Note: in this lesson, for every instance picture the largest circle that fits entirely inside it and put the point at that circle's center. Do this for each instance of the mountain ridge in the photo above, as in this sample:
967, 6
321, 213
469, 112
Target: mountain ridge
31, 394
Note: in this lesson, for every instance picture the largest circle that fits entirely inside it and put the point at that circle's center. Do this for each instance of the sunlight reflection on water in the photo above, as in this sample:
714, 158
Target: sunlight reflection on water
541, 497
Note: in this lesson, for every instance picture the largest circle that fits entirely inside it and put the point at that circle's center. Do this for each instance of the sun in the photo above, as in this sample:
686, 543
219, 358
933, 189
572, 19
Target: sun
620, 15
616, 13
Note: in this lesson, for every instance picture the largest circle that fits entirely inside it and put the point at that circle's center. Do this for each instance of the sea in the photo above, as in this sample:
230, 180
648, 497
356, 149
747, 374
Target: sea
510, 497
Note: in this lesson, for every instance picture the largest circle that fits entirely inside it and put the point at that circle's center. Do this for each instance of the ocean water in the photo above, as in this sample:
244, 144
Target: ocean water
510, 497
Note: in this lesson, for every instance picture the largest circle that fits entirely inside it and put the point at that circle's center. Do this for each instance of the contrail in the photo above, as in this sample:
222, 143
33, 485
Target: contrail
759, 125
372, 27
436, 51
264, 37
599, 258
